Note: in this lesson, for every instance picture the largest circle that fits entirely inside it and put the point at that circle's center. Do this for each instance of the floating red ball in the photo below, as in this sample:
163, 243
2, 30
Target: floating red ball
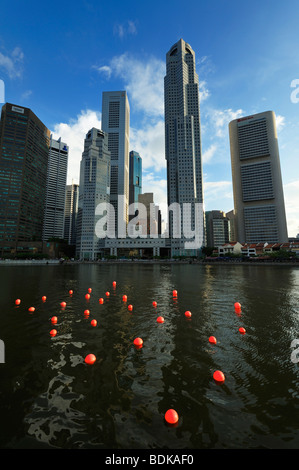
63, 304
242, 330
212, 340
174, 293
154, 304
44, 298
188, 314
107, 294
90, 359
114, 283
31, 309
130, 307
17, 301
138, 342
125, 298
87, 296
219, 376
89, 290
171, 416
101, 300
86, 313
53, 333
160, 320
71, 292
54, 320
93, 323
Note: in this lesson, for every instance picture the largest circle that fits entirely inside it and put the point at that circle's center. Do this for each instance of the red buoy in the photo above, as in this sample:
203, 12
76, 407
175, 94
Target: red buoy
212, 340
89, 290
171, 416
174, 293
90, 359
114, 283
87, 296
188, 314
130, 307
237, 306
71, 292
219, 376
86, 313
63, 304
53, 333
93, 323
125, 298
160, 320
101, 300
154, 304
242, 330
31, 309
54, 320
17, 301
107, 294
44, 298
138, 342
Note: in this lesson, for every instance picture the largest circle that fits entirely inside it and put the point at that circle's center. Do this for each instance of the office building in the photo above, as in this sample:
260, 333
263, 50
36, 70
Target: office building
55, 194
135, 177
94, 189
183, 145
71, 213
257, 182
217, 228
116, 123
24, 154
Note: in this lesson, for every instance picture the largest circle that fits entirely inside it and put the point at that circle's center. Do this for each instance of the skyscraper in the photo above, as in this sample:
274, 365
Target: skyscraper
55, 194
217, 228
183, 142
71, 213
116, 123
94, 188
257, 183
135, 176
24, 154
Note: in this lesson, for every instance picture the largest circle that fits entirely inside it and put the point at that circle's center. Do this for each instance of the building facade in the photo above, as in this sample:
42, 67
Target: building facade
217, 228
56, 186
24, 154
71, 213
94, 189
257, 182
116, 123
135, 177
183, 144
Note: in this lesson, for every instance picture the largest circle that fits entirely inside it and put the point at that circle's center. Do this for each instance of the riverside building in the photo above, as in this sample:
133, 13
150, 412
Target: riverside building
183, 147
257, 183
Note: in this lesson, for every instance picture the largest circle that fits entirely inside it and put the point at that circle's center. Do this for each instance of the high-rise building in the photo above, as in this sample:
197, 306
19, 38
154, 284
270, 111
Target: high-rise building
55, 194
257, 182
135, 176
24, 154
94, 189
183, 145
71, 213
217, 228
116, 123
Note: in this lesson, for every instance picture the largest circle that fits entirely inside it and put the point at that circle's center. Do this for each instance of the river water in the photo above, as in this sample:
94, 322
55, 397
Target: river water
50, 398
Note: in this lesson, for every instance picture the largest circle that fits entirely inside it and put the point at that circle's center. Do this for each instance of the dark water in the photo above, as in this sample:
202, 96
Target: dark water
49, 397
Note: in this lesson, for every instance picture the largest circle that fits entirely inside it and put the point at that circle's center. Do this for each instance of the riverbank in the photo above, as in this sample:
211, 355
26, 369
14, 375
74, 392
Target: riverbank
209, 262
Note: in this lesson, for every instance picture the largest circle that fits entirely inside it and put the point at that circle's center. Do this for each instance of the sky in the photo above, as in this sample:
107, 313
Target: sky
57, 58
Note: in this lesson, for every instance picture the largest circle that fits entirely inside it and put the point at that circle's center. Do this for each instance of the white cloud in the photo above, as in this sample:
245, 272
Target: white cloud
73, 134
203, 90
143, 80
13, 63
209, 153
26, 94
218, 193
280, 122
121, 30
149, 143
291, 198
220, 119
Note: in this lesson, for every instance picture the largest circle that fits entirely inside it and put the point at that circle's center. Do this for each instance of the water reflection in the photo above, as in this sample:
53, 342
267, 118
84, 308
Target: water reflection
50, 397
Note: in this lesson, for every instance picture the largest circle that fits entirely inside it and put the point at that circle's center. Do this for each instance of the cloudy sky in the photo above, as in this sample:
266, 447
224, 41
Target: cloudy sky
57, 58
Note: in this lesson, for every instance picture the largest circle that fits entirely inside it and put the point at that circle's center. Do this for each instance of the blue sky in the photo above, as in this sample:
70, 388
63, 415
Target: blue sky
57, 58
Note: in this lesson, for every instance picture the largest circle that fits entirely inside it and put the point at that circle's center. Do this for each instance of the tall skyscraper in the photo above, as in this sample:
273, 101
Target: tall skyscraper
217, 228
183, 142
116, 123
71, 213
135, 176
24, 154
94, 188
55, 194
257, 183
